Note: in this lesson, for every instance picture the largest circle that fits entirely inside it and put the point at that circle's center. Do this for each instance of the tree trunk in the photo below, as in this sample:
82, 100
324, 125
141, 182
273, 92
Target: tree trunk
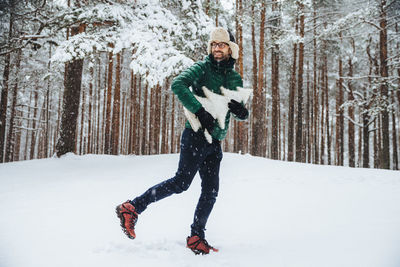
299, 125
258, 136
73, 80
40, 136
157, 120
138, 118
107, 130
164, 137
351, 133
81, 147
323, 108
379, 143
241, 127
292, 94
307, 136
18, 132
133, 112
122, 147
365, 116
48, 107
384, 87
216, 15
34, 119
275, 85
339, 118
152, 119
172, 137
4, 92
11, 128
98, 145
144, 150
261, 125
91, 99
326, 85
398, 69
365, 119
394, 138
115, 128
254, 69
315, 108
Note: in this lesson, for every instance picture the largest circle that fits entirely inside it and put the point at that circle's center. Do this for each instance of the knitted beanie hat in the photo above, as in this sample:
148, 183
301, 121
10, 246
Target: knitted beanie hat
219, 34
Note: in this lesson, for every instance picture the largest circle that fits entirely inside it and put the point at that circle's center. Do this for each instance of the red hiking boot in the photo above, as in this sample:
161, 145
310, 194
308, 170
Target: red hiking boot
127, 214
198, 245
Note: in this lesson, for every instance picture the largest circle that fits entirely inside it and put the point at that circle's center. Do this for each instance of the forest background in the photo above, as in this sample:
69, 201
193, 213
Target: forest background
93, 76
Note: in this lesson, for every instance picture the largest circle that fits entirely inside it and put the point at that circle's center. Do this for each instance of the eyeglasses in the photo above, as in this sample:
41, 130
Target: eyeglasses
220, 45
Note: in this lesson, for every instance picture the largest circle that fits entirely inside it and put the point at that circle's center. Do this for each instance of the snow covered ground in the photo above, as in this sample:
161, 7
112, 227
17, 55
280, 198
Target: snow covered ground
60, 212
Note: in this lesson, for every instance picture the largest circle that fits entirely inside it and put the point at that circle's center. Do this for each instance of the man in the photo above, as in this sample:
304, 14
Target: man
197, 154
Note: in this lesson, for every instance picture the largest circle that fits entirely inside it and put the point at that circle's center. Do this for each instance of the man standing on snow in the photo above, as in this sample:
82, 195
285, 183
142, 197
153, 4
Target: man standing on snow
197, 154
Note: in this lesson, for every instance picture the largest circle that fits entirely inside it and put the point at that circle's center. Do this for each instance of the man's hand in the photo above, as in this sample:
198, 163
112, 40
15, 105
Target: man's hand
207, 121
238, 109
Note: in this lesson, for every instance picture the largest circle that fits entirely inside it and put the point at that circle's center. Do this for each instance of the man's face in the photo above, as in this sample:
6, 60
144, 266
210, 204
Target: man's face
220, 51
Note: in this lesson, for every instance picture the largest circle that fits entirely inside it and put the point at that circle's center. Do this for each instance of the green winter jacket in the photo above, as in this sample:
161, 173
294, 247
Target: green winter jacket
211, 74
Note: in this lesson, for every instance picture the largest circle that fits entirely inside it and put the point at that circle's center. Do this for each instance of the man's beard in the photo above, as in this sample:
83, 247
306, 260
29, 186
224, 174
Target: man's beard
220, 56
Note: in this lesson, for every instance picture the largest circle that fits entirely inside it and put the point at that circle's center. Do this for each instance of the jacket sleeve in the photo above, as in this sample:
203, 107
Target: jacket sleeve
180, 86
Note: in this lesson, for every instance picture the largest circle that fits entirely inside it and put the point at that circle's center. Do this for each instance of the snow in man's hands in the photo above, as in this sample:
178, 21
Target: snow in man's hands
61, 212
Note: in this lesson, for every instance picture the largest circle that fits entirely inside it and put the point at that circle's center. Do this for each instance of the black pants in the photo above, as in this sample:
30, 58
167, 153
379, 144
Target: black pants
196, 155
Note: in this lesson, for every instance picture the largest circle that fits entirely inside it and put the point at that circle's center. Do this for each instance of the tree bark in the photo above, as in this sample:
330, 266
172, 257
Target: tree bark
398, 69
315, 108
323, 108
164, 137
97, 145
216, 15
107, 130
307, 136
292, 94
138, 118
384, 87
81, 147
299, 125
152, 117
240, 127
351, 133
115, 128
326, 85
34, 120
254, 78
4, 92
275, 85
172, 137
144, 123
258, 136
133, 112
157, 119
394, 137
91, 99
339, 118
73, 80
11, 128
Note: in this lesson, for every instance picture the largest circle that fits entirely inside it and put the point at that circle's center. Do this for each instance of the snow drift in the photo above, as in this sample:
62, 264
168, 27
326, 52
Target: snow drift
60, 212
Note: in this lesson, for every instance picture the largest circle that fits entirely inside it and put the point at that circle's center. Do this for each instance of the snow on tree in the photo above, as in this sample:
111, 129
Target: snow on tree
162, 42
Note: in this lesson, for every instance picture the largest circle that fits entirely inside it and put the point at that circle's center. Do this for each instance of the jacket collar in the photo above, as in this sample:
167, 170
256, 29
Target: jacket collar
221, 66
